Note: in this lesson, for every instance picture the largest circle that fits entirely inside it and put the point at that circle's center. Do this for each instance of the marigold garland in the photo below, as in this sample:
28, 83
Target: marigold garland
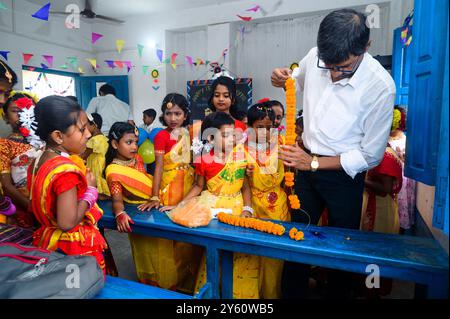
253, 223
291, 136
296, 234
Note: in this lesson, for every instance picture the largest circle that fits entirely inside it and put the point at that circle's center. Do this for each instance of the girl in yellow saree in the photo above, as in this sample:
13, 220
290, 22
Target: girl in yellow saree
268, 197
172, 180
155, 260
222, 172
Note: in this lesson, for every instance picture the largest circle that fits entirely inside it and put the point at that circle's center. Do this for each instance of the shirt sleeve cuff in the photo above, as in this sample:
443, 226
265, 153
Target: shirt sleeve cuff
353, 162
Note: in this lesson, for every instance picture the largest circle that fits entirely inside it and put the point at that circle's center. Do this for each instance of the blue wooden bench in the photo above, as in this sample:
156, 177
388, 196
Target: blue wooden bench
415, 259
117, 288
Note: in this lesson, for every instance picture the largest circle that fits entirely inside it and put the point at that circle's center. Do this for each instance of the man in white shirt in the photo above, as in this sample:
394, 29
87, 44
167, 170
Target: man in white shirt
110, 108
348, 101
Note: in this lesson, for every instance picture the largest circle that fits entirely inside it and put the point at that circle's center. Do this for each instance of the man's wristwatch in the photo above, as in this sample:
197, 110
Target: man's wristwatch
314, 163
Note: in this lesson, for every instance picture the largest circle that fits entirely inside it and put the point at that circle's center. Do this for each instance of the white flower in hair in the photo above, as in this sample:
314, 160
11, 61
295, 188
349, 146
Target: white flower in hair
197, 146
26, 117
28, 125
208, 147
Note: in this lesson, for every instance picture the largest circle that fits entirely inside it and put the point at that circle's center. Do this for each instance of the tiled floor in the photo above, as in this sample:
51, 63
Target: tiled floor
120, 246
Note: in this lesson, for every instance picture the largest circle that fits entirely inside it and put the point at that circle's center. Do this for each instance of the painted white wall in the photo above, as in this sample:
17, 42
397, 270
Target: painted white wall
21, 33
218, 19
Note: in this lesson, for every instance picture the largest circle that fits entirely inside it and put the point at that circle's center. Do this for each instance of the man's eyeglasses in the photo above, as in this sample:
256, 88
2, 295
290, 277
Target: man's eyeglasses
349, 69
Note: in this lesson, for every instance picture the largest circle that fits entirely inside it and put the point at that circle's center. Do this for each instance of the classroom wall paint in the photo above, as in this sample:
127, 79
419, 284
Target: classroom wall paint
425, 206
20, 33
152, 29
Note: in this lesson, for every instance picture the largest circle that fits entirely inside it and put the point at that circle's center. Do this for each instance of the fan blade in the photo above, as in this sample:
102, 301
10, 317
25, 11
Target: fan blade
99, 16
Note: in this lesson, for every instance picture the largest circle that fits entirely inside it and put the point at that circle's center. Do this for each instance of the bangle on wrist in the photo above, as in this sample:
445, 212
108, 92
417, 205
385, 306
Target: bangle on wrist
248, 209
121, 213
155, 198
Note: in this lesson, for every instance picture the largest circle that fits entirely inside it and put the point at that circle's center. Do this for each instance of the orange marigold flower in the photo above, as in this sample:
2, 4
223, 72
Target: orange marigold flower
299, 236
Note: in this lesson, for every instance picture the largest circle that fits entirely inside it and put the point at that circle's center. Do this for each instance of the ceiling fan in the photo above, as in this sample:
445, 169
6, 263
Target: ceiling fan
89, 14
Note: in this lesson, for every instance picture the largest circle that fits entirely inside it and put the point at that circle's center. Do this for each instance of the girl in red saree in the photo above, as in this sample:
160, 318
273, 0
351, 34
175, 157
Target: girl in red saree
63, 192
383, 184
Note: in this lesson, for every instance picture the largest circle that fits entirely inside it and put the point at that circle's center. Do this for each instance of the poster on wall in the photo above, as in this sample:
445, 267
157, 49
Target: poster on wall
198, 93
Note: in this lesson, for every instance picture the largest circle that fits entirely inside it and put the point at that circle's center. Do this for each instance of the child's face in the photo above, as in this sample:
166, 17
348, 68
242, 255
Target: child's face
148, 120
262, 129
5, 90
222, 99
12, 116
278, 115
91, 127
127, 147
225, 137
76, 137
174, 117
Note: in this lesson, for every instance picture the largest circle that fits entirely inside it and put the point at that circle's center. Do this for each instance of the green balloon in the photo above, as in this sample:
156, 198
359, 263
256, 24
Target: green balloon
147, 152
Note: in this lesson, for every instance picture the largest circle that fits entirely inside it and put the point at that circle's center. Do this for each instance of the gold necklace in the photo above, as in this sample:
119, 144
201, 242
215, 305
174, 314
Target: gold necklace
124, 163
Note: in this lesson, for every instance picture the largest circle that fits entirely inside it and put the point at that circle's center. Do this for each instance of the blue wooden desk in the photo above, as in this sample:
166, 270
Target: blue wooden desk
416, 259
116, 288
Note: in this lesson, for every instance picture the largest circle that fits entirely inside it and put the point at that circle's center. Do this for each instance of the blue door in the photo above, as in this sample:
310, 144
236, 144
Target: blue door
440, 214
87, 87
426, 89
401, 67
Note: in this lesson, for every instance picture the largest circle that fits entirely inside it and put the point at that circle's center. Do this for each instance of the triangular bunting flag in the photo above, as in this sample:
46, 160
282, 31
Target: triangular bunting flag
199, 62
145, 69
119, 64
207, 62
49, 59
189, 60
73, 61
2, 6
159, 54
244, 18
64, 66
110, 64
254, 9
129, 65
80, 70
174, 66
4, 54
172, 58
93, 62
119, 45
44, 66
42, 13
140, 49
95, 37
27, 57
166, 61
155, 88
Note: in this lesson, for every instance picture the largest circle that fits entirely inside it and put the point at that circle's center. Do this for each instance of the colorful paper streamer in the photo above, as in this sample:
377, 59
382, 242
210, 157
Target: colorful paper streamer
27, 57
49, 59
96, 37
119, 45
140, 49
159, 54
4, 54
42, 13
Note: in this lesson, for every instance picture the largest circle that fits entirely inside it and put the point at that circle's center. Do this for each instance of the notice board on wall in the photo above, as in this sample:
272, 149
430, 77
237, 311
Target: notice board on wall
198, 93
